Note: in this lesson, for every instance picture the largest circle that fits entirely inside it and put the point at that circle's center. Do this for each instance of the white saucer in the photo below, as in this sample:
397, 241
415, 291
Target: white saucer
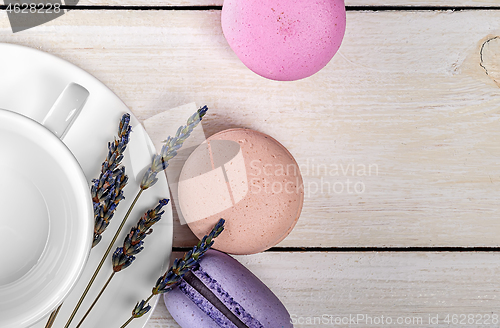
31, 81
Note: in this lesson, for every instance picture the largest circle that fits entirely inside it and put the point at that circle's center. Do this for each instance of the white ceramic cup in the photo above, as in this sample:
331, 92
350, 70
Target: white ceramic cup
46, 215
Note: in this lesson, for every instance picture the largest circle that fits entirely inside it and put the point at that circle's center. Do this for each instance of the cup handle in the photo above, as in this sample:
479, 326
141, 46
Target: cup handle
66, 109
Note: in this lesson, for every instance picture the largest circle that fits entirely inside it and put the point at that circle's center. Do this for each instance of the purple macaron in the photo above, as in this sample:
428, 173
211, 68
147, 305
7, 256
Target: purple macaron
221, 292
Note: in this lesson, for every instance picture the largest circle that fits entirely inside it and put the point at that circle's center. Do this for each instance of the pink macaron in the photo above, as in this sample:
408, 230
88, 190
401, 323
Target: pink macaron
284, 40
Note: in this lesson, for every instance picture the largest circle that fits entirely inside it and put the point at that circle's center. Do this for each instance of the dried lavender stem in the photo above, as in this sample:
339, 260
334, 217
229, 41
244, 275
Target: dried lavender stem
132, 317
102, 260
96, 299
52, 317
128, 321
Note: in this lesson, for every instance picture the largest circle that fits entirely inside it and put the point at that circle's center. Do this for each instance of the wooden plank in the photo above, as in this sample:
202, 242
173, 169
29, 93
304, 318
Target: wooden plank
424, 3
411, 287
377, 3
411, 95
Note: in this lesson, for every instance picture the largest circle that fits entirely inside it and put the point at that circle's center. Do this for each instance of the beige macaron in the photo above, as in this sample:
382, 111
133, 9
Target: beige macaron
249, 179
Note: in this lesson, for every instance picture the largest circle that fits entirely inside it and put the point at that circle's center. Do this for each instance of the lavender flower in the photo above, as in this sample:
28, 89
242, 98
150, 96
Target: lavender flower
110, 198
174, 275
132, 245
120, 260
118, 146
140, 309
124, 256
169, 149
166, 282
107, 190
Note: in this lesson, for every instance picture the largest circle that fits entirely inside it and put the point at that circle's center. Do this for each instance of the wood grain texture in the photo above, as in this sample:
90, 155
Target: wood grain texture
410, 286
414, 95
411, 95
378, 3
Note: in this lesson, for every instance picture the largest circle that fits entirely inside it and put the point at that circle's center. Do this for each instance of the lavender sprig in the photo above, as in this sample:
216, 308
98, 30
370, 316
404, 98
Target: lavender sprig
112, 161
175, 273
170, 147
132, 245
105, 209
117, 148
173, 276
107, 190
148, 180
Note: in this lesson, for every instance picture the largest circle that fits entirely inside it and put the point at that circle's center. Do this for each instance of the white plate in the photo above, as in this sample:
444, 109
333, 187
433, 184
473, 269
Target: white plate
31, 81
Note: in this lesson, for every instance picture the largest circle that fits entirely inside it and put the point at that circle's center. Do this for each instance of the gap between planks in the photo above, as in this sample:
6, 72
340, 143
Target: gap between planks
371, 249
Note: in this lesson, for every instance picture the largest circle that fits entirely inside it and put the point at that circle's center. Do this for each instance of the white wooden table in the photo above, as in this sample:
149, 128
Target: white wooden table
413, 94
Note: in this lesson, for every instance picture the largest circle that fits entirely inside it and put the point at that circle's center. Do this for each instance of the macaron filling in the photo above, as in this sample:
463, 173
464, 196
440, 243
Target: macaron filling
214, 301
